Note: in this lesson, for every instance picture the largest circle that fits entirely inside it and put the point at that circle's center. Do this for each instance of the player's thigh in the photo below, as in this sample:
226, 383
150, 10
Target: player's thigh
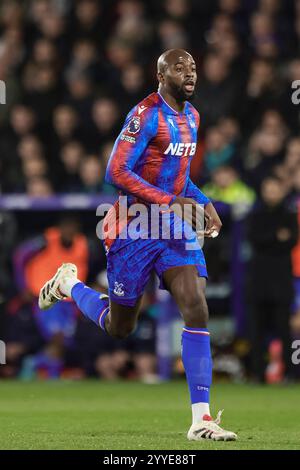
185, 285
128, 271
183, 273
124, 316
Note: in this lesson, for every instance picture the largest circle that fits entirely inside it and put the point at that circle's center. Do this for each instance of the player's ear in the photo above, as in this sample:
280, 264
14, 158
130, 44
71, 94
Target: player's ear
160, 77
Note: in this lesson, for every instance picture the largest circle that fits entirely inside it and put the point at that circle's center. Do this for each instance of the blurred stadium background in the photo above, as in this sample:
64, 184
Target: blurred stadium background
72, 70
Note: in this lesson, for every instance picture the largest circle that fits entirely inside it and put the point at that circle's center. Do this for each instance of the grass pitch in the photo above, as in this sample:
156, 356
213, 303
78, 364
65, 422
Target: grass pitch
130, 415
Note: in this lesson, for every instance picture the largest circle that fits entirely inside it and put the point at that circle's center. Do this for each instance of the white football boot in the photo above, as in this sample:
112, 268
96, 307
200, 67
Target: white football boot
210, 429
50, 293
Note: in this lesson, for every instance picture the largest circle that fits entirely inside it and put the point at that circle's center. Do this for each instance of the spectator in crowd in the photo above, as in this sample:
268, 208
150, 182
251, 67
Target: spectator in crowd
34, 259
221, 25
72, 155
265, 152
230, 130
45, 54
106, 120
288, 171
132, 26
65, 124
264, 40
88, 21
218, 151
261, 92
91, 175
273, 232
119, 54
133, 86
216, 92
41, 90
39, 187
226, 186
32, 161
22, 123
84, 61
172, 35
80, 96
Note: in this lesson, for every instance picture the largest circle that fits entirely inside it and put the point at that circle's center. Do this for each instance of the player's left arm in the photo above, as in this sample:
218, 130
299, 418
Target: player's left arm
213, 222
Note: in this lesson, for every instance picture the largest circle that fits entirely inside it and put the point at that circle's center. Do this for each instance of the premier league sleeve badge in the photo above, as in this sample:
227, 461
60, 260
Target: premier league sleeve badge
134, 125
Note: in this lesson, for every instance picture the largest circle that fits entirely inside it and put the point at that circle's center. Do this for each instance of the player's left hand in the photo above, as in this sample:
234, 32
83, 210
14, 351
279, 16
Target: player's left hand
213, 222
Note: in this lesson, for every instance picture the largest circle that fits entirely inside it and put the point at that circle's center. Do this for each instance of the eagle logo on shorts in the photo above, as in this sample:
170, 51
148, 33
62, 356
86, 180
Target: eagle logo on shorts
119, 289
134, 125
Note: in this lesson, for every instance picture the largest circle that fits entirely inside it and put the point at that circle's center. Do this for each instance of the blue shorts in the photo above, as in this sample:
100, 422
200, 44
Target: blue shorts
130, 263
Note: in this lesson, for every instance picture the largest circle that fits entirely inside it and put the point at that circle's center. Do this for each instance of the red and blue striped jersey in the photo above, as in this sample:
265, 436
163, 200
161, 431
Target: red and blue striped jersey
150, 161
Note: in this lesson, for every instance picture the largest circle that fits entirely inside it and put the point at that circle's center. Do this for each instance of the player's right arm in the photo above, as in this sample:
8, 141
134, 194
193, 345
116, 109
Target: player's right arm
138, 130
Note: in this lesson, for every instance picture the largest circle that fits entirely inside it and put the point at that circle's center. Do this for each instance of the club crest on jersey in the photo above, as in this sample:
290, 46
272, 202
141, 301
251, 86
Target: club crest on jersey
119, 289
180, 149
134, 125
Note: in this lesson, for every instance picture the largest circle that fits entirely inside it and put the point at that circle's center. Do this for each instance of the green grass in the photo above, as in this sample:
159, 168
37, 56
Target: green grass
97, 415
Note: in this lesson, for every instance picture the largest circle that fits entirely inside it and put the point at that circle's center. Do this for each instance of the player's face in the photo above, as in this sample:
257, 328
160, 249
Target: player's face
181, 77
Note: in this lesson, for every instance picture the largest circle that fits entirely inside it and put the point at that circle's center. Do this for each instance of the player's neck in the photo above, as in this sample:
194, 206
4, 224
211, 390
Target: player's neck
172, 102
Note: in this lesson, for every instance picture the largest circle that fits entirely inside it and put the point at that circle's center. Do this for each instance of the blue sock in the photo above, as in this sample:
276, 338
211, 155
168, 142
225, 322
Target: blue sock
89, 302
196, 357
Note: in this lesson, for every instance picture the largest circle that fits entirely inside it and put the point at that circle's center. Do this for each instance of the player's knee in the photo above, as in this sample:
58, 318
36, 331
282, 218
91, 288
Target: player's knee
193, 299
194, 309
121, 331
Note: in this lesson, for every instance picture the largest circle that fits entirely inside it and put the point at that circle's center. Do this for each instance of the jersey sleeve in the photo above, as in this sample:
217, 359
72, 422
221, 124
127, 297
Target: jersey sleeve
194, 192
139, 128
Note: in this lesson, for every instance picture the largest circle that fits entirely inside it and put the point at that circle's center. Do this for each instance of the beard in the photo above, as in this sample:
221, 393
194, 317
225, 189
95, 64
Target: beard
180, 94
